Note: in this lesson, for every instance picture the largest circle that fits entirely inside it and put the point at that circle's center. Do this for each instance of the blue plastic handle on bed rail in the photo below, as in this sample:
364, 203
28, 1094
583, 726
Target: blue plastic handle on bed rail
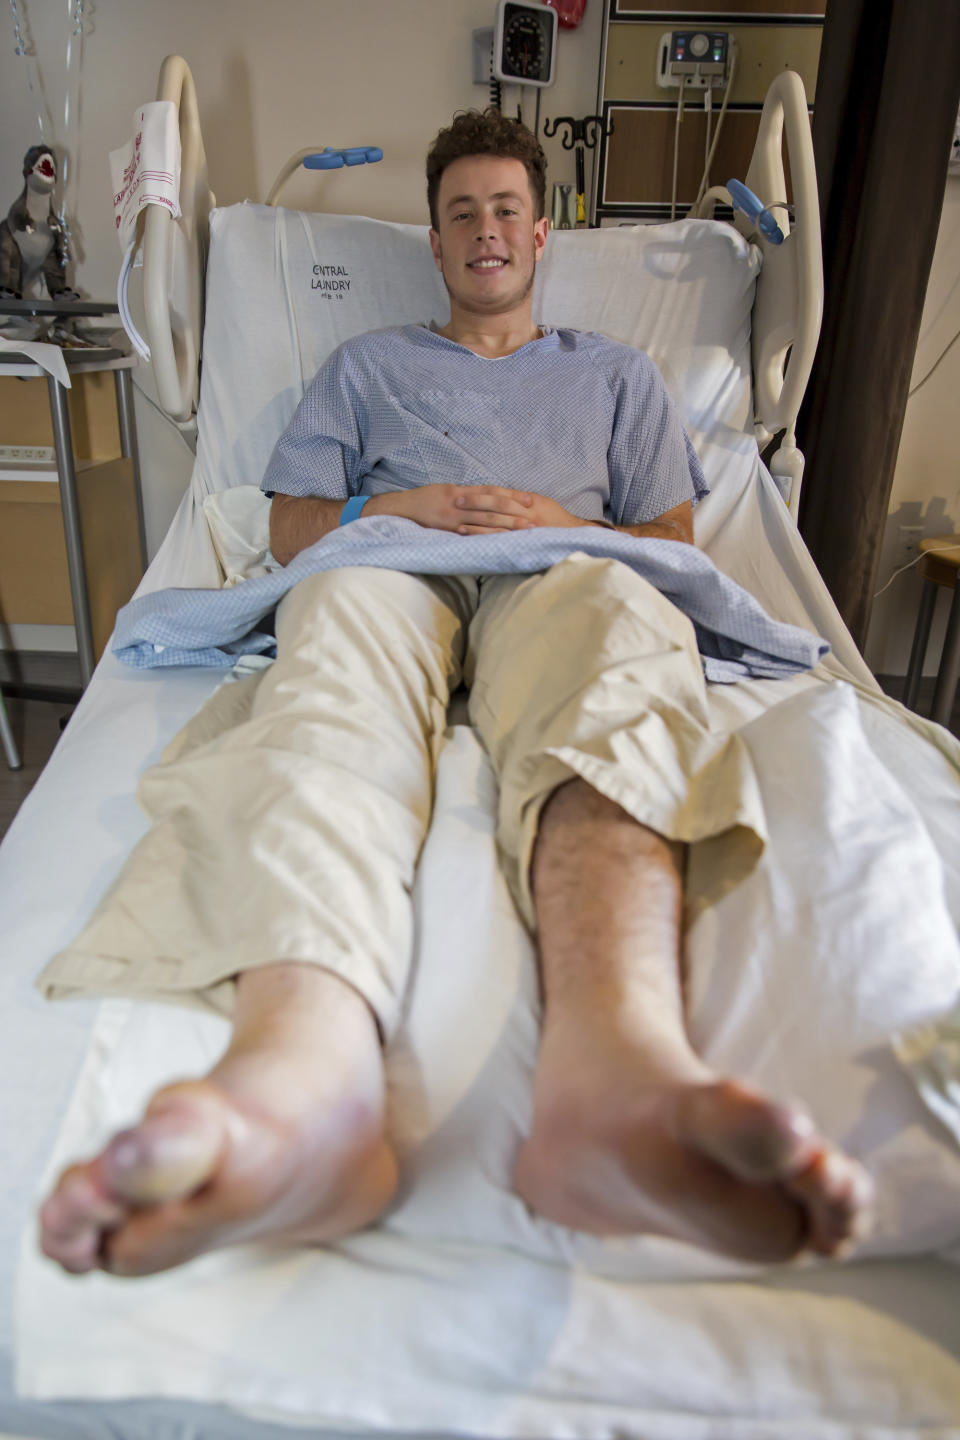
755, 210
328, 159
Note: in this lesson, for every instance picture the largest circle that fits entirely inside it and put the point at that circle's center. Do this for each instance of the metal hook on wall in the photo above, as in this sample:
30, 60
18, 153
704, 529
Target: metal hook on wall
583, 132
580, 134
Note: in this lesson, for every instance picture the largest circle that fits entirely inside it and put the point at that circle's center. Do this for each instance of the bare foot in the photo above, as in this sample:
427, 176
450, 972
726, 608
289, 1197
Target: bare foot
283, 1141
686, 1155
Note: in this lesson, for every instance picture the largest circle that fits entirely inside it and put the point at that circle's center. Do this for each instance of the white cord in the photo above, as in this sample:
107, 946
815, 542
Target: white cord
708, 111
136, 339
934, 365
182, 430
676, 149
716, 134
940, 550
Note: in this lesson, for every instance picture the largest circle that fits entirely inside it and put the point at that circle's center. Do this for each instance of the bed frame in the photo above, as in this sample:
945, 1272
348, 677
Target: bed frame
822, 1331
786, 312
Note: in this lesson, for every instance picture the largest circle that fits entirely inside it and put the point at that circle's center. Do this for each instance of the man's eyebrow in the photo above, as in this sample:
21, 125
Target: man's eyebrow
471, 199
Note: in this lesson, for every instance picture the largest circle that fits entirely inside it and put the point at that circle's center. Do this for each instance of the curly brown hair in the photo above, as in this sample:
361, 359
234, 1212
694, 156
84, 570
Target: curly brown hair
487, 132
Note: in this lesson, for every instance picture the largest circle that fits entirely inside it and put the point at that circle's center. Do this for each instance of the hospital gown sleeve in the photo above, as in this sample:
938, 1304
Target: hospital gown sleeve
653, 465
320, 451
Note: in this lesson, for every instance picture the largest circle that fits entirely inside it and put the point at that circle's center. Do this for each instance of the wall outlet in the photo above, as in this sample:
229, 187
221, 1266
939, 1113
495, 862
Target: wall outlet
701, 57
908, 544
27, 455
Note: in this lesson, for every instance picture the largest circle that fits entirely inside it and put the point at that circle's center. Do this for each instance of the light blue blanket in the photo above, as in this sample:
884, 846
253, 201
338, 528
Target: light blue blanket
215, 627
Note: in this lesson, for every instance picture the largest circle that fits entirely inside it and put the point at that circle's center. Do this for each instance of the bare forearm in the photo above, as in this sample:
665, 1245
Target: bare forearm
298, 522
675, 524
658, 530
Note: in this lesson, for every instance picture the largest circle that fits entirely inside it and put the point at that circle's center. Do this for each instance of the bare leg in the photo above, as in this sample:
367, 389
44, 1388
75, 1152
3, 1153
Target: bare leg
330, 760
632, 1133
283, 1140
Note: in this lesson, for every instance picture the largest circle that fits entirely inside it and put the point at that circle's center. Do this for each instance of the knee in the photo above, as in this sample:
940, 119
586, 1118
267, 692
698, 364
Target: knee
614, 584
599, 603
327, 587
574, 801
344, 595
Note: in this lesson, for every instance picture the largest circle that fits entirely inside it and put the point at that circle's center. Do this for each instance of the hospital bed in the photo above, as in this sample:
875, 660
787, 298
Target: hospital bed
831, 974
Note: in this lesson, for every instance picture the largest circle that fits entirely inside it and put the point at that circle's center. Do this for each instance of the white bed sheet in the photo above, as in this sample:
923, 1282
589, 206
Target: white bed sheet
465, 1338
798, 1361
485, 1322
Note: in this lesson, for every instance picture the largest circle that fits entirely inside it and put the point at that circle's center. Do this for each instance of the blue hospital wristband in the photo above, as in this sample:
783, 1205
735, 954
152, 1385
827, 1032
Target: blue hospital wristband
351, 511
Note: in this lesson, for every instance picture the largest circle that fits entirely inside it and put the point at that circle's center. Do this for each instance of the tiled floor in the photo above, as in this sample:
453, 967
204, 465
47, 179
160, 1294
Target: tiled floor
37, 723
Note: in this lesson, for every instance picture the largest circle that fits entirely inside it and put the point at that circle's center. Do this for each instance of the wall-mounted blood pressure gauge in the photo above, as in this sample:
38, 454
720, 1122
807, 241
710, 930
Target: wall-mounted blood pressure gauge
525, 43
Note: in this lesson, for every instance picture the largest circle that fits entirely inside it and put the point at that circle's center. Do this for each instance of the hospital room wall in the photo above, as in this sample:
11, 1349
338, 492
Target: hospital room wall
271, 78
274, 77
926, 486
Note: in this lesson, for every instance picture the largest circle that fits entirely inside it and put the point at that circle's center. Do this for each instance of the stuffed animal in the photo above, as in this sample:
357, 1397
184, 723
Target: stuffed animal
32, 239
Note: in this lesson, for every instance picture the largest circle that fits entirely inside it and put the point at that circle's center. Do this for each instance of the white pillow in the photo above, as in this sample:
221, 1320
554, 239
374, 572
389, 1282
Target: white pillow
285, 288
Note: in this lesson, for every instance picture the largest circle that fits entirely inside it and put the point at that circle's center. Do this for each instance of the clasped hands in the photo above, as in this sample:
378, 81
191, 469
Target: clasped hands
473, 509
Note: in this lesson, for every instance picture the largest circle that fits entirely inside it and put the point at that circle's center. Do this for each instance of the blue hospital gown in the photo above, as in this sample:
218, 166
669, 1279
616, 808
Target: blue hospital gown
575, 416
578, 416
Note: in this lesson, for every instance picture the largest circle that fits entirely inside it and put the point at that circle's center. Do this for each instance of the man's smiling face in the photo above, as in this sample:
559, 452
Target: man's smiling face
488, 242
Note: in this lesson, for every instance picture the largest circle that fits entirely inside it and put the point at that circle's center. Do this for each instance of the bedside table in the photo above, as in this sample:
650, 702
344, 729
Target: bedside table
939, 567
80, 361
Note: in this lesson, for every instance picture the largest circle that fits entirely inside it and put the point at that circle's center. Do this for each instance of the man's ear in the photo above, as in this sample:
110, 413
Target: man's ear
435, 247
540, 232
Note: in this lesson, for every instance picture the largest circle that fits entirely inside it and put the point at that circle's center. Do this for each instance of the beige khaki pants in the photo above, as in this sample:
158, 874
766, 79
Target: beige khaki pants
289, 815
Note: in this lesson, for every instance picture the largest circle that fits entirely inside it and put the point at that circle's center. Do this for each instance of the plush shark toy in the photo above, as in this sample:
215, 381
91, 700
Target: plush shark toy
32, 239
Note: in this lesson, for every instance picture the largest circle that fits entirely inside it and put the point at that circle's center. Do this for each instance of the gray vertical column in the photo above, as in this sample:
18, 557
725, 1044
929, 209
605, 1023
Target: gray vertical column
128, 445
7, 740
63, 443
921, 638
949, 671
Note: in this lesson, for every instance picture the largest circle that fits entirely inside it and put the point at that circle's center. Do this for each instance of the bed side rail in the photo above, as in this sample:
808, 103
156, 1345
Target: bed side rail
174, 258
788, 307
789, 304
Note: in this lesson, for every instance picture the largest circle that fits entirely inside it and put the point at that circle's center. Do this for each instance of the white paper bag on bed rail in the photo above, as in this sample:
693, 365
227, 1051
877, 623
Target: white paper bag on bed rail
147, 170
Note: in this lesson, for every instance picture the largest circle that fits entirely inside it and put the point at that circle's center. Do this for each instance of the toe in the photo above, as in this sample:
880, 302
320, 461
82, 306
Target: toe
746, 1133
171, 1153
78, 1204
78, 1255
776, 1152
837, 1195
73, 1219
158, 1238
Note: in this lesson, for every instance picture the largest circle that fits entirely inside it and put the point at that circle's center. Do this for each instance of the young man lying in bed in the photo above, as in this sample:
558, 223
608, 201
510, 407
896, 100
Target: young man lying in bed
587, 691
